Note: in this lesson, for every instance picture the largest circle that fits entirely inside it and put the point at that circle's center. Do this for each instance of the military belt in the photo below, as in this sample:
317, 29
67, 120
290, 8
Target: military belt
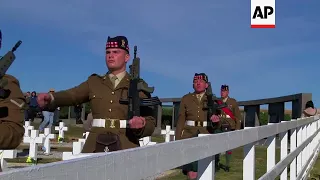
110, 123
196, 123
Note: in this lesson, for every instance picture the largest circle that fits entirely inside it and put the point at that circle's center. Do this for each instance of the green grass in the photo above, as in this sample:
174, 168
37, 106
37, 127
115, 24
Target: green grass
40, 160
57, 149
236, 165
158, 139
315, 172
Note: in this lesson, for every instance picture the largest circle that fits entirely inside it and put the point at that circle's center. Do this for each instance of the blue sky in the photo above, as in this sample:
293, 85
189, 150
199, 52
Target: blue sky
64, 42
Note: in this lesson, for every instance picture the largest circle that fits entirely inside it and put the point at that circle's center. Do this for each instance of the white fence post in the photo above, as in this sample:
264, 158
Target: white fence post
293, 146
284, 152
299, 142
249, 157
271, 151
206, 166
303, 138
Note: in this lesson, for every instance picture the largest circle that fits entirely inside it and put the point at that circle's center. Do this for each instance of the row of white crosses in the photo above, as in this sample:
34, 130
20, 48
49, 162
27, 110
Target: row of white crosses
61, 128
34, 138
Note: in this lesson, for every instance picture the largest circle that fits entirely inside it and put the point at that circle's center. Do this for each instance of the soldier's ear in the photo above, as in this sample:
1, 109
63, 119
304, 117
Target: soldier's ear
207, 85
127, 57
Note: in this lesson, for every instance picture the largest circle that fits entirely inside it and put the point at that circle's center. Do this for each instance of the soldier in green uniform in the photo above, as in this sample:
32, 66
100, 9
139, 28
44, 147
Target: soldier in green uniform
12, 107
110, 130
235, 121
230, 120
192, 118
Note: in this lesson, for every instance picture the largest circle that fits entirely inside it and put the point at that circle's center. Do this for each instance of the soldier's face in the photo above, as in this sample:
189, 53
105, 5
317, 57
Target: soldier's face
116, 58
200, 85
224, 93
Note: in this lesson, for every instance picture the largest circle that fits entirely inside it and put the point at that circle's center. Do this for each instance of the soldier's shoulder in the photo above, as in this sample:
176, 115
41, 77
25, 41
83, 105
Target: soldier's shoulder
11, 79
232, 99
95, 76
187, 96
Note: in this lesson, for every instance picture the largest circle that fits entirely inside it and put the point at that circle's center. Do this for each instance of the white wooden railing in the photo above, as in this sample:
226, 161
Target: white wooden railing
147, 161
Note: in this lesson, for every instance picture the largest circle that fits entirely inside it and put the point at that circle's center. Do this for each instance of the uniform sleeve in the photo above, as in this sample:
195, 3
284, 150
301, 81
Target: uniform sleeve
11, 126
73, 96
237, 114
181, 119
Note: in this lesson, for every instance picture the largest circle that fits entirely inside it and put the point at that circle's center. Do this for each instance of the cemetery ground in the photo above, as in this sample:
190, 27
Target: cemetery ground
76, 131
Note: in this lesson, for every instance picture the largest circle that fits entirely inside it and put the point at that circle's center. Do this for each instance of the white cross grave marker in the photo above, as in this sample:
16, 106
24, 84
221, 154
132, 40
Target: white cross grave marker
47, 136
146, 141
61, 128
27, 128
8, 154
34, 140
167, 132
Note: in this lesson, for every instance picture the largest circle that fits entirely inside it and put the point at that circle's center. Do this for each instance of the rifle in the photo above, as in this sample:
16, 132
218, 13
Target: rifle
5, 63
212, 107
133, 101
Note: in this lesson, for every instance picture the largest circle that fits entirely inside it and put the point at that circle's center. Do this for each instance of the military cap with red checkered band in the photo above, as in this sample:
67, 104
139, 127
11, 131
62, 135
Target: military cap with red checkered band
201, 76
120, 42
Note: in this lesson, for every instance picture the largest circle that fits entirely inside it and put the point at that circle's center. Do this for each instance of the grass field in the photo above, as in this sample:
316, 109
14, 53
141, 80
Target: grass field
236, 165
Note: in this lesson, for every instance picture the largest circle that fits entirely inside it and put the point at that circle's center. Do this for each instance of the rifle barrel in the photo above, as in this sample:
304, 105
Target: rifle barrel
16, 46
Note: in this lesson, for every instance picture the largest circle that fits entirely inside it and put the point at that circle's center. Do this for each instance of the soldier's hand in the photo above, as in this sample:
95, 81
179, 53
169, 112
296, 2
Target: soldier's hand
137, 122
43, 99
215, 118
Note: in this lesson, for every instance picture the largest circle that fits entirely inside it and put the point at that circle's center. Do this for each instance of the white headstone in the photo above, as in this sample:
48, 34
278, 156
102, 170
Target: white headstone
47, 136
33, 140
167, 132
8, 154
77, 147
61, 128
146, 141
27, 128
